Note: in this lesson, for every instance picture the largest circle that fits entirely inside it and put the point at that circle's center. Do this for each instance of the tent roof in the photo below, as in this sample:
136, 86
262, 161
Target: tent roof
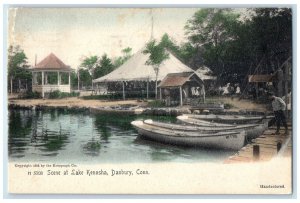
136, 69
205, 73
51, 62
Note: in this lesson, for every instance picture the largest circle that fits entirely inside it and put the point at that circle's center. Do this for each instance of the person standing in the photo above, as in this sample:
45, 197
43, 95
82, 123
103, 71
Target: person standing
279, 106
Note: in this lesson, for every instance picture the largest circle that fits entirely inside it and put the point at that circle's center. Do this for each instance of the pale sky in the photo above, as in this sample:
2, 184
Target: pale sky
71, 33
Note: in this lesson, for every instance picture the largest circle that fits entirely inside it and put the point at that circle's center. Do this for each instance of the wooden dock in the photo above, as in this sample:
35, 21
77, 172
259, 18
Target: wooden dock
265, 147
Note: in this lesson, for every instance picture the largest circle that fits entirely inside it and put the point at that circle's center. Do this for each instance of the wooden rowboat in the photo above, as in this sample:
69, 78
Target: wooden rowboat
230, 119
252, 130
198, 122
223, 140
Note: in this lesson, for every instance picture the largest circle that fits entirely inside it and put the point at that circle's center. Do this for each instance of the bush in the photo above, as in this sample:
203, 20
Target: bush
228, 106
156, 103
31, 95
54, 95
59, 95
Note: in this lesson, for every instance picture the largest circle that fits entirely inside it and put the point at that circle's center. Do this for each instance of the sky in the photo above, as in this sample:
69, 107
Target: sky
74, 33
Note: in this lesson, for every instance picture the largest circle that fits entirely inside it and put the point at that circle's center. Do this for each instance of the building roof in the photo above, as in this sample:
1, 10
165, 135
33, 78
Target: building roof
205, 73
260, 78
51, 62
135, 69
177, 79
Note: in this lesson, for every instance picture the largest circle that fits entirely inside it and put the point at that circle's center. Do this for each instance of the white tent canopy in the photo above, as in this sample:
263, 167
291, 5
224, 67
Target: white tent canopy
135, 69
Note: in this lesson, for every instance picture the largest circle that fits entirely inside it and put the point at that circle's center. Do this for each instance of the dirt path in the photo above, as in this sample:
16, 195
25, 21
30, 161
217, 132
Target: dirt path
72, 102
243, 104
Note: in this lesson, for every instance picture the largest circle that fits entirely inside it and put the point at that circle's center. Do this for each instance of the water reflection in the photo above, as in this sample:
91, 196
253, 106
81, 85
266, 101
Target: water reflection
19, 128
92, 147
63, 135
101, 124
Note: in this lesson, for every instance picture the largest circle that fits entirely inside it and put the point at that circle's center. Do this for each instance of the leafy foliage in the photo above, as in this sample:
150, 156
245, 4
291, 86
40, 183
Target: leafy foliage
104, 67
234, 48
84, 77
157, 55
17, 65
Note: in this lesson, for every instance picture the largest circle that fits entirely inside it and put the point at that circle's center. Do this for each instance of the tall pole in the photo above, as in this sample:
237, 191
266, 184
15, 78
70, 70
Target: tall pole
151, 25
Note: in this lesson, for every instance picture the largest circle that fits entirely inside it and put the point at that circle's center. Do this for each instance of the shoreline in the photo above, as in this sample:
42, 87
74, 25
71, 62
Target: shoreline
132, 107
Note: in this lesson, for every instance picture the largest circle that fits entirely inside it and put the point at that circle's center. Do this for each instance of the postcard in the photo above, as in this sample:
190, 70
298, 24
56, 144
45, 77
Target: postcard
148, 100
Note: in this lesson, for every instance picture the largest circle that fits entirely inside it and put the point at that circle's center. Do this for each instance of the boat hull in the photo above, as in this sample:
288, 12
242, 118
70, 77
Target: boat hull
230, 119
252, 130
230, 140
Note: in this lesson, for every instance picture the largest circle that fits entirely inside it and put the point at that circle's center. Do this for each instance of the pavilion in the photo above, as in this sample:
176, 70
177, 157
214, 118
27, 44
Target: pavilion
51, 74
136, 71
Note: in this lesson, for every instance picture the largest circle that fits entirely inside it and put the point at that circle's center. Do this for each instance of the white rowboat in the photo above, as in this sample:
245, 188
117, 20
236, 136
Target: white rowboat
252, 130
230, 119
223, 140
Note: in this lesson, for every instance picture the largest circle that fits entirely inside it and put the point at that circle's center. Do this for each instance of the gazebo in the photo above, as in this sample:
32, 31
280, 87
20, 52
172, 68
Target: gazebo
51, 74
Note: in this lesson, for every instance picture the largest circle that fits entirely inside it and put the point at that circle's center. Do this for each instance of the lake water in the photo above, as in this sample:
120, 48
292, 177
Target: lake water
63, 136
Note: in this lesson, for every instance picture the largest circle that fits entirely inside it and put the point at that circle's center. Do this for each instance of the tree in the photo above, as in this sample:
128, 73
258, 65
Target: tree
90, 64
104, 67
211, 26
272, 36
122, 59
17, 65
233, 47
157, 55
85, 77
211, 33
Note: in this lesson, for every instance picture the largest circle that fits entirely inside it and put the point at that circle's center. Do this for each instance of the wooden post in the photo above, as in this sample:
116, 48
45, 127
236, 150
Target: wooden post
43, 94
70, 82
78, 79
58, 78
33, 79
19, 85
160, 94
148, 88
123, 90
256, 90
180, 89
279, 86
256, 152
203, 93
46, 78
279, 144
11, 85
